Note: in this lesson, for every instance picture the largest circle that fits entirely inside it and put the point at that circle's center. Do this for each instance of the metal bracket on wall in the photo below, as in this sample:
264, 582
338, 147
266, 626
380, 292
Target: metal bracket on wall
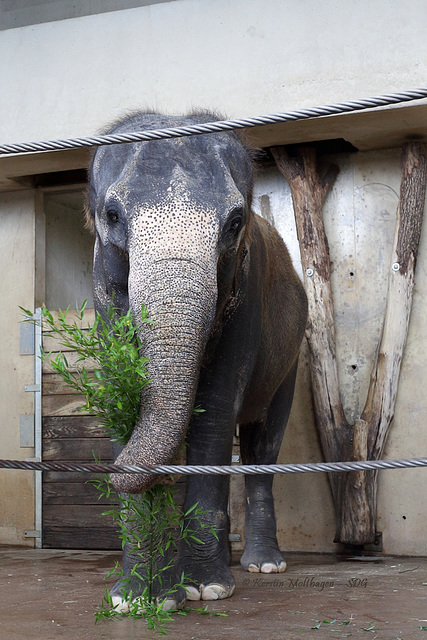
26, 339
32, 534
234, 537
26, 430
377, 545
32, 387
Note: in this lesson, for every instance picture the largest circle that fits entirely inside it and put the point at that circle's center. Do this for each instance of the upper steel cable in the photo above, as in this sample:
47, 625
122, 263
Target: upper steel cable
214, 127
363, 465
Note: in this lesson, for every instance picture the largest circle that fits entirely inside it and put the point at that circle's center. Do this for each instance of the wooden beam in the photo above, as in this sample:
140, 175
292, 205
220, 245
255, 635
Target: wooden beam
309, 190
379, 408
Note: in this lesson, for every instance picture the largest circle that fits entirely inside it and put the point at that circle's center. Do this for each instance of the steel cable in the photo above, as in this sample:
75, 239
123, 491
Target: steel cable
215, 127
365, 465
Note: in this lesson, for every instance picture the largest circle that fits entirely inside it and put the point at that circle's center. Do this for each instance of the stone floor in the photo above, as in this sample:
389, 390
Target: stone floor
48, 595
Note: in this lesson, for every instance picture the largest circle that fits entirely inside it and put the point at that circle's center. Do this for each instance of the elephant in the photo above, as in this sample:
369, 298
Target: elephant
175, 231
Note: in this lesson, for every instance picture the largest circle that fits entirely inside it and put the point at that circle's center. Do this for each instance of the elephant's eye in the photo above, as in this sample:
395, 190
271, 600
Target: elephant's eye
112, 216
234, 222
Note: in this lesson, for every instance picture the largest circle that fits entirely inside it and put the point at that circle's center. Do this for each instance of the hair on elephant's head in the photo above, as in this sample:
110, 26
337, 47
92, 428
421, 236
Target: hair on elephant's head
172, 223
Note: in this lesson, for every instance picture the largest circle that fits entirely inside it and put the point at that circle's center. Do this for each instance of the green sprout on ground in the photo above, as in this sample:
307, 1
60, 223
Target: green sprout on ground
110, 373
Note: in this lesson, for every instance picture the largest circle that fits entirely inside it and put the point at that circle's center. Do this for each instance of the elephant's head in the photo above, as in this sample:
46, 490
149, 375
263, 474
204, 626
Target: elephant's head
172, 221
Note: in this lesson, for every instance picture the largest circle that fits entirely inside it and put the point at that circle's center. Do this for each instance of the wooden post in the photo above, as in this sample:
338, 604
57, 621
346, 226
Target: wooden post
379, 408
308, 193
355, 492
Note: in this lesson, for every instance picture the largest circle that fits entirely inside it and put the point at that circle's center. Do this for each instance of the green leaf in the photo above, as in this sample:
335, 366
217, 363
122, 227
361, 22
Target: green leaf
191, 509
204, 611
198, 409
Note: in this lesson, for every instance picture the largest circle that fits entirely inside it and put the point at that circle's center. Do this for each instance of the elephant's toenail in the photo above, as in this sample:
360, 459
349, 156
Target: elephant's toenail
192, 593
253, 568
120, 605
215, 592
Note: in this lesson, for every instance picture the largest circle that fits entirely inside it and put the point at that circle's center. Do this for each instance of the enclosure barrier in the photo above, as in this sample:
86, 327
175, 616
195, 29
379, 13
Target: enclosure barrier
220, 125
358, 465
244, 469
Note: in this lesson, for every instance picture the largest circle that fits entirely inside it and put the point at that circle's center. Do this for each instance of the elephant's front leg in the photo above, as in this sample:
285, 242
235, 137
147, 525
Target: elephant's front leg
149, 569
148, 562
205, 558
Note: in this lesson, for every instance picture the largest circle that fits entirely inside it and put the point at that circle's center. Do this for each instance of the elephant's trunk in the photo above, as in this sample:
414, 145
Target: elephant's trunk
180, 295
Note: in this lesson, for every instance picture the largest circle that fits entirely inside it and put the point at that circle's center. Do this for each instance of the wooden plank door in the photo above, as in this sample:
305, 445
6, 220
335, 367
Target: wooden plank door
72, 512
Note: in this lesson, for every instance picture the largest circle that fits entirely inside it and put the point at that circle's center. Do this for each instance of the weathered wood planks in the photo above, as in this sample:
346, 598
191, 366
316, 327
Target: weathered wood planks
72, 510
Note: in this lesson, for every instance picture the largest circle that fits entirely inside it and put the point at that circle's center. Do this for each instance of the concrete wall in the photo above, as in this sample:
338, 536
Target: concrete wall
17, 288
69, 251
244, 57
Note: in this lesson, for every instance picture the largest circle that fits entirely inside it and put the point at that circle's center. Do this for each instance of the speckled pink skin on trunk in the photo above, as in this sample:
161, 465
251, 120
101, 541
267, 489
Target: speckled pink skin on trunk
180, 300
175, 231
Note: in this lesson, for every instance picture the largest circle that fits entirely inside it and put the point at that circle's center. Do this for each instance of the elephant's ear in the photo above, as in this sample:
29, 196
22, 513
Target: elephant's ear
89, 204
88, 213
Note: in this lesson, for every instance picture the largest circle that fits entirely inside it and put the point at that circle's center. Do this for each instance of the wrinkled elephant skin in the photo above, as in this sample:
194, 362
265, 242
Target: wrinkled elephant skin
175, 231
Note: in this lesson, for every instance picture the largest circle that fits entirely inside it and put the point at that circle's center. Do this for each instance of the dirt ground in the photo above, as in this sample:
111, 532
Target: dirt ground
48, 595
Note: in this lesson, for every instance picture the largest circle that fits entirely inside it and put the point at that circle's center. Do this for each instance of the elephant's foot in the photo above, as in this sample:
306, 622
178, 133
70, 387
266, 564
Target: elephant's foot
259, 558
124, 598
208, 581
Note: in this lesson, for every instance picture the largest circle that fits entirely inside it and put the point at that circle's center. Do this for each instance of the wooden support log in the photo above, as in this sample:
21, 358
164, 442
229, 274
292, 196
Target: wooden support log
378, 412
354, 493
308, 193
379, 408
